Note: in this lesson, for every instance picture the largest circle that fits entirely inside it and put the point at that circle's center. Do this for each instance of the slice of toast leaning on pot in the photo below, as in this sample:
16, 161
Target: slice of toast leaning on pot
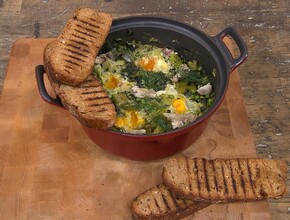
68, 63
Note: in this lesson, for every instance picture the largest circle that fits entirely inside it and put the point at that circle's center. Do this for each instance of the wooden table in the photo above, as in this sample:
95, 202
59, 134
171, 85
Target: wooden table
264, 77
50, 169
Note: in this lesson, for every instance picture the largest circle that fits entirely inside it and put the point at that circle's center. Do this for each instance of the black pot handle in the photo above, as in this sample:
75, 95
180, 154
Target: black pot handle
39, 71
232, 63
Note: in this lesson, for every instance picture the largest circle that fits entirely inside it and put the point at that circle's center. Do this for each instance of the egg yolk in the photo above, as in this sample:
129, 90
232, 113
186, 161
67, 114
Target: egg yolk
147, 63
154, 63
179, 106
131, 121
111, 83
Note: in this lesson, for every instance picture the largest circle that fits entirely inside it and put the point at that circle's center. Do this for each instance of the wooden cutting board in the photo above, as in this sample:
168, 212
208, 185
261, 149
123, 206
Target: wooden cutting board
49, 169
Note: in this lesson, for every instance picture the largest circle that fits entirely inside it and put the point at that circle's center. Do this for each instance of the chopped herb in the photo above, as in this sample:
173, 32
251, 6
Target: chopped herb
161, 123
175, 60
193, 77
149, 79
151, 106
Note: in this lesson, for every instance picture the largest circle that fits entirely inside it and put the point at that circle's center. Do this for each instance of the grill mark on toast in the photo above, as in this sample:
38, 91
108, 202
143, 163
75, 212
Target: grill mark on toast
249, 188
98, 104
242, 177
250, 174
206, 175
89, 86
79, 42
197, 176
71, 62
96, 98
88, 29
233, 178
257, 184
91, 92
156, 204
218, 178
174, 200
194, 177
85, 33
250, 177
88, 81
258, 171
165, 202
74, 57
67, 66
88, 23
76, 52
78, 48
99, 21
100, 110
237, 173
92, 19
82, 38
224, 179
188, 173
214, 176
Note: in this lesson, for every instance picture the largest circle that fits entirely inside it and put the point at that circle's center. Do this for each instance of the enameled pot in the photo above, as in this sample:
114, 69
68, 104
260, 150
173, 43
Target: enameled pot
191, 43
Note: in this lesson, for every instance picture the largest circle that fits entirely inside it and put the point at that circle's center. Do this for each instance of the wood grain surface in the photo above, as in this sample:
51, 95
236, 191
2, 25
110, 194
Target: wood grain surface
264, 77
51, 170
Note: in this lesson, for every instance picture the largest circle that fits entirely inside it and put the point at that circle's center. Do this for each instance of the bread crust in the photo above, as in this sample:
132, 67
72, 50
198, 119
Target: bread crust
159, 203
225, 180
69, 59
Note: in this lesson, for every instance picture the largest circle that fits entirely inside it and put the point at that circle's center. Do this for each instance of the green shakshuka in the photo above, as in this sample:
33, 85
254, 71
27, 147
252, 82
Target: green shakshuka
153, 89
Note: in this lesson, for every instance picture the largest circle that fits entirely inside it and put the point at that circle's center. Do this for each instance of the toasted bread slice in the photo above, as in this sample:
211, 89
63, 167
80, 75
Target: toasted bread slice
160, 203
225, 180
70, 58
88, 103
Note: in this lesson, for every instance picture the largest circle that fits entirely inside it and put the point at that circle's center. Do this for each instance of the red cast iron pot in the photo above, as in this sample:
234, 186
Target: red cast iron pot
191, 43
